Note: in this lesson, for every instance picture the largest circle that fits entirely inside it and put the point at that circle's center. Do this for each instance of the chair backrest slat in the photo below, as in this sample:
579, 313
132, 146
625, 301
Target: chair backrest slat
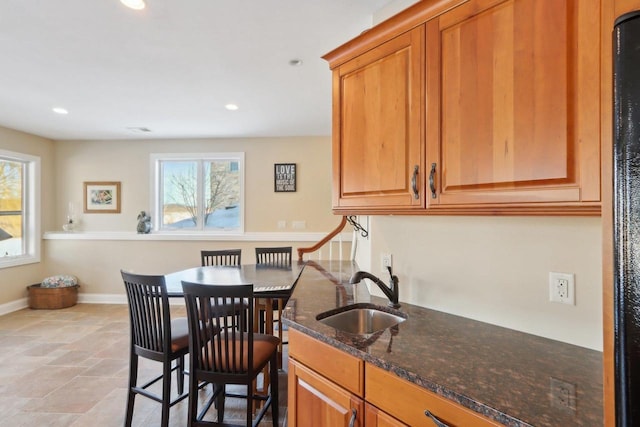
221, 257
274, 257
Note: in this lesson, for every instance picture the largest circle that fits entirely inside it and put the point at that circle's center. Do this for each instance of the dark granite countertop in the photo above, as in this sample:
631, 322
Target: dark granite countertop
512, 377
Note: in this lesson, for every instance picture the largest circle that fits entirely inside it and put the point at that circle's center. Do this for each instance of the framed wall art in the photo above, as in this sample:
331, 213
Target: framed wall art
102, 197
284, 177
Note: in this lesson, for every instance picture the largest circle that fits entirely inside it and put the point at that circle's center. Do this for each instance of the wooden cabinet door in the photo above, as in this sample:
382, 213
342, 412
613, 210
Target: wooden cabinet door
315, 401
377, 117
513, 96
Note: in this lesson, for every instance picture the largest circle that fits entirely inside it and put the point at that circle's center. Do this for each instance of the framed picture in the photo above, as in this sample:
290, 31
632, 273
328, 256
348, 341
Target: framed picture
102, 197
284, 177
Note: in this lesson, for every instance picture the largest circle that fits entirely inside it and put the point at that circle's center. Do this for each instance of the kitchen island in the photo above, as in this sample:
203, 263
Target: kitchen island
508, 377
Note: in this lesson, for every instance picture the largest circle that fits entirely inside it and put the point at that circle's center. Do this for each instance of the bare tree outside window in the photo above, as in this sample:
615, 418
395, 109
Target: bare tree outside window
201, 194
181, 194
221, 190
11, 207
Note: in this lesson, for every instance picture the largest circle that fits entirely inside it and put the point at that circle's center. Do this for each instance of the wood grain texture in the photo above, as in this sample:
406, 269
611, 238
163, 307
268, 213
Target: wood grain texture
518, 102
508, 108
379, 108
374, 417
509, 71
336, 365
408, 402
315, 401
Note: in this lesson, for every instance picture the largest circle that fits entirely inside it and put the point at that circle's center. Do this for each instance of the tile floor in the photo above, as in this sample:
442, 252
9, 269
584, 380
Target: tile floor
69, 368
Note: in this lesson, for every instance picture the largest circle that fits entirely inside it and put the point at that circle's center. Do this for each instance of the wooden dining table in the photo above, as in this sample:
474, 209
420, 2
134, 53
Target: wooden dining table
269, 284
267, 281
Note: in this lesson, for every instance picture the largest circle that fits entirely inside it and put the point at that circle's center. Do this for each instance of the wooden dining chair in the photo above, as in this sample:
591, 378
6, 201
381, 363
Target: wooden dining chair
224, 350
274, 257
279, 257
155, 336
221, 257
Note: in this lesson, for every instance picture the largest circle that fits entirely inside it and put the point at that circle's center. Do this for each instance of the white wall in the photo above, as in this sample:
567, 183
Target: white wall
128, 162
495, 269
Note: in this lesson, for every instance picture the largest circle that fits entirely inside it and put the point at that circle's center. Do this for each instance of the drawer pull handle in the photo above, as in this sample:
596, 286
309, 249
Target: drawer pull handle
352, 421
432, 184
436, 421
414, 182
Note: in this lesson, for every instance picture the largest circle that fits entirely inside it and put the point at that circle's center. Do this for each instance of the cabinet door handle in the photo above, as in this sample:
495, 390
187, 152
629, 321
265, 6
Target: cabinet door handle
432, 184
414, 182
352, 421
436, 421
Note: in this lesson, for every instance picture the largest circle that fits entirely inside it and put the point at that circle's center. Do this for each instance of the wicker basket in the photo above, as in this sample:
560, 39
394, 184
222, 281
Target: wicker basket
52, 298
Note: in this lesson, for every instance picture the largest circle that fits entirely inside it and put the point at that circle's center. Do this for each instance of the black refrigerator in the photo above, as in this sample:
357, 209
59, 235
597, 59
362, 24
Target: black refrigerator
626, 211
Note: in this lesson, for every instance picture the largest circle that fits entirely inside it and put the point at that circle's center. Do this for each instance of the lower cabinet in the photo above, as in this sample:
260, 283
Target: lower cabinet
328, 387
316, 401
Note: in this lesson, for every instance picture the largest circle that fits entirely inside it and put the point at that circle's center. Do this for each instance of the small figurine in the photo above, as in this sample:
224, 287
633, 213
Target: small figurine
144, 223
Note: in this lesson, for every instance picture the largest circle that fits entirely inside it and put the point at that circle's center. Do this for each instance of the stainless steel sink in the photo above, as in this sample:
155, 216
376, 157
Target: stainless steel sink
362, 320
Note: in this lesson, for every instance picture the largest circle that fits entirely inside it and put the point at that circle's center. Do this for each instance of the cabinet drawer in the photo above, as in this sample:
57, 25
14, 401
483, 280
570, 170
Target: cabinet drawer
336, 365
407, 402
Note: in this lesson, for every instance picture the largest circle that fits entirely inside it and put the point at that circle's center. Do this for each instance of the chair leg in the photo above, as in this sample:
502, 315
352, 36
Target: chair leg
250, 406
166, 392
192, 410
133, 379
273, 366
281, 343
220, 402
180, 374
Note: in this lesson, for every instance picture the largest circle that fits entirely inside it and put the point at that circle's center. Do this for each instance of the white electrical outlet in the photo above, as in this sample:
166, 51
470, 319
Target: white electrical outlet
282, 224
387, 261
562, 288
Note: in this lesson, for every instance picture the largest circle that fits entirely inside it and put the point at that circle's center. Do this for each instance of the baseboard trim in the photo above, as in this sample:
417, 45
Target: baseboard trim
83, 298
12, 306
115, 299
102, 298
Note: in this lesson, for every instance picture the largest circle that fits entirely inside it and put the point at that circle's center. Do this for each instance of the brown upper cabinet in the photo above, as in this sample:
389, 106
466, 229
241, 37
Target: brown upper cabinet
378, 116
470, 107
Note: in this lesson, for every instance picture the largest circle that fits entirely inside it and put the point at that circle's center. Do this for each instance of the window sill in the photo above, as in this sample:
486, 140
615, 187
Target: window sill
18, 261
130, 235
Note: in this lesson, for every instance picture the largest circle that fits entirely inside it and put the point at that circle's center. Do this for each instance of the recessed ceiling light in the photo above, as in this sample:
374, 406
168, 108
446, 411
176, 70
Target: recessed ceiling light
295, 62
133, 4
60, 110
231, 107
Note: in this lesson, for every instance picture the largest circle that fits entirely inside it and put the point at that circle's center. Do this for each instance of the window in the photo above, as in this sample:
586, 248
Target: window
198, 192
19, 211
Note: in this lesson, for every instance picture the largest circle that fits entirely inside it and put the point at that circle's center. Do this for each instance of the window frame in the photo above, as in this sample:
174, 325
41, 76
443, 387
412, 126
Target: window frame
156, 189
31, 188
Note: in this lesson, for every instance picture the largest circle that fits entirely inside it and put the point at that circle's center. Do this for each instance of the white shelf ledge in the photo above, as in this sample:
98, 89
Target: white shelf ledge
248, 237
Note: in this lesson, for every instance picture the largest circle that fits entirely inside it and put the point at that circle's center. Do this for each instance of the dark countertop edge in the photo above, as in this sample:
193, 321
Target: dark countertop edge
462, 400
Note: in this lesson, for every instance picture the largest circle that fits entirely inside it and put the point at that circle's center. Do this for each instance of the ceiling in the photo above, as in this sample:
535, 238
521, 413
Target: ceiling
172, 67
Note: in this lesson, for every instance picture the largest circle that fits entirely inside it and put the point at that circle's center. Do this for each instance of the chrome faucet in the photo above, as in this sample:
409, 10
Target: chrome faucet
390, 292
